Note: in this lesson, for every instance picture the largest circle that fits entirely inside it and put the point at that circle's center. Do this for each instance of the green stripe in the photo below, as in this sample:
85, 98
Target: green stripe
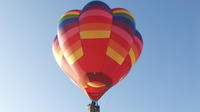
68, 17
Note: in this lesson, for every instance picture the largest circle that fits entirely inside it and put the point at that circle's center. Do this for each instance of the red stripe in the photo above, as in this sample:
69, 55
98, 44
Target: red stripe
114, 9
69, 34
117, 47
124, 26
123, 34
68, 27
95, 19
120, 40
71, 47
95, 12
70, 41
74, 10
95, 26
137, 48
139, 43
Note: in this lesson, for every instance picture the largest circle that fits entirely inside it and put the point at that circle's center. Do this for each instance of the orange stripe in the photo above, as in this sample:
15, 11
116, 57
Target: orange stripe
114, 55
95, 26
137, 40
120, 40
73, 57
123, 34
117, 47
135, 52
67, 35
73, 48
69, 42
95, 12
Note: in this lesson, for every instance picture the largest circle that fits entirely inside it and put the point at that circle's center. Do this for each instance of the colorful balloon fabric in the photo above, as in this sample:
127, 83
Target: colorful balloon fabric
97, 46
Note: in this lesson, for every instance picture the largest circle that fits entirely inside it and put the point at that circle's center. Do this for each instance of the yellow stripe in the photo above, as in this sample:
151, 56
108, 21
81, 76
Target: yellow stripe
123, 11
132, 56
94, 34
114, 55
85, 86
58, 57
96, 85
74, 57
57, 52
117, 47
69, 13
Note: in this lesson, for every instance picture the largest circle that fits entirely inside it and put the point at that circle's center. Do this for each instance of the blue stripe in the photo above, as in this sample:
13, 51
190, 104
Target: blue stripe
97, 3
125, 20
137, 33
67, 21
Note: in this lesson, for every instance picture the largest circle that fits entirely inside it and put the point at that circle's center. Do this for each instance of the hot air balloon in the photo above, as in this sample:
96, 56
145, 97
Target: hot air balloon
97, 46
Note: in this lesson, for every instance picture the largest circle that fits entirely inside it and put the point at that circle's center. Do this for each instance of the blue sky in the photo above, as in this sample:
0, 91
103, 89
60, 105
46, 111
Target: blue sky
165, 79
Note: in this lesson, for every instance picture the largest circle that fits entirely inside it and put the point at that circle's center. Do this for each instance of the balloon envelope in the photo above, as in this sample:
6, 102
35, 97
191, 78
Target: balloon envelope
97, 46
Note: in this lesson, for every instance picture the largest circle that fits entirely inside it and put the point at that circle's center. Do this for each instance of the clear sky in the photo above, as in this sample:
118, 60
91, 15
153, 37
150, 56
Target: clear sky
165, 79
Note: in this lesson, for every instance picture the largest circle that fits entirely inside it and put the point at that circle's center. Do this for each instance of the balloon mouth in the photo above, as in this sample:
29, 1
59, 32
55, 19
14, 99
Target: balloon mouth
98, 79
95, 84
95, 89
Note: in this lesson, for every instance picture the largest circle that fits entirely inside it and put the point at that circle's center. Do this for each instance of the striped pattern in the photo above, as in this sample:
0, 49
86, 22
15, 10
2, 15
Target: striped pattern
123, 30
60, 59
137, 45
114, 55
123, 15
69, 37
97, 46
58, 54
71, 59
68, 18
95, 21
73, 52
68, 22
116, 52
71, 48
